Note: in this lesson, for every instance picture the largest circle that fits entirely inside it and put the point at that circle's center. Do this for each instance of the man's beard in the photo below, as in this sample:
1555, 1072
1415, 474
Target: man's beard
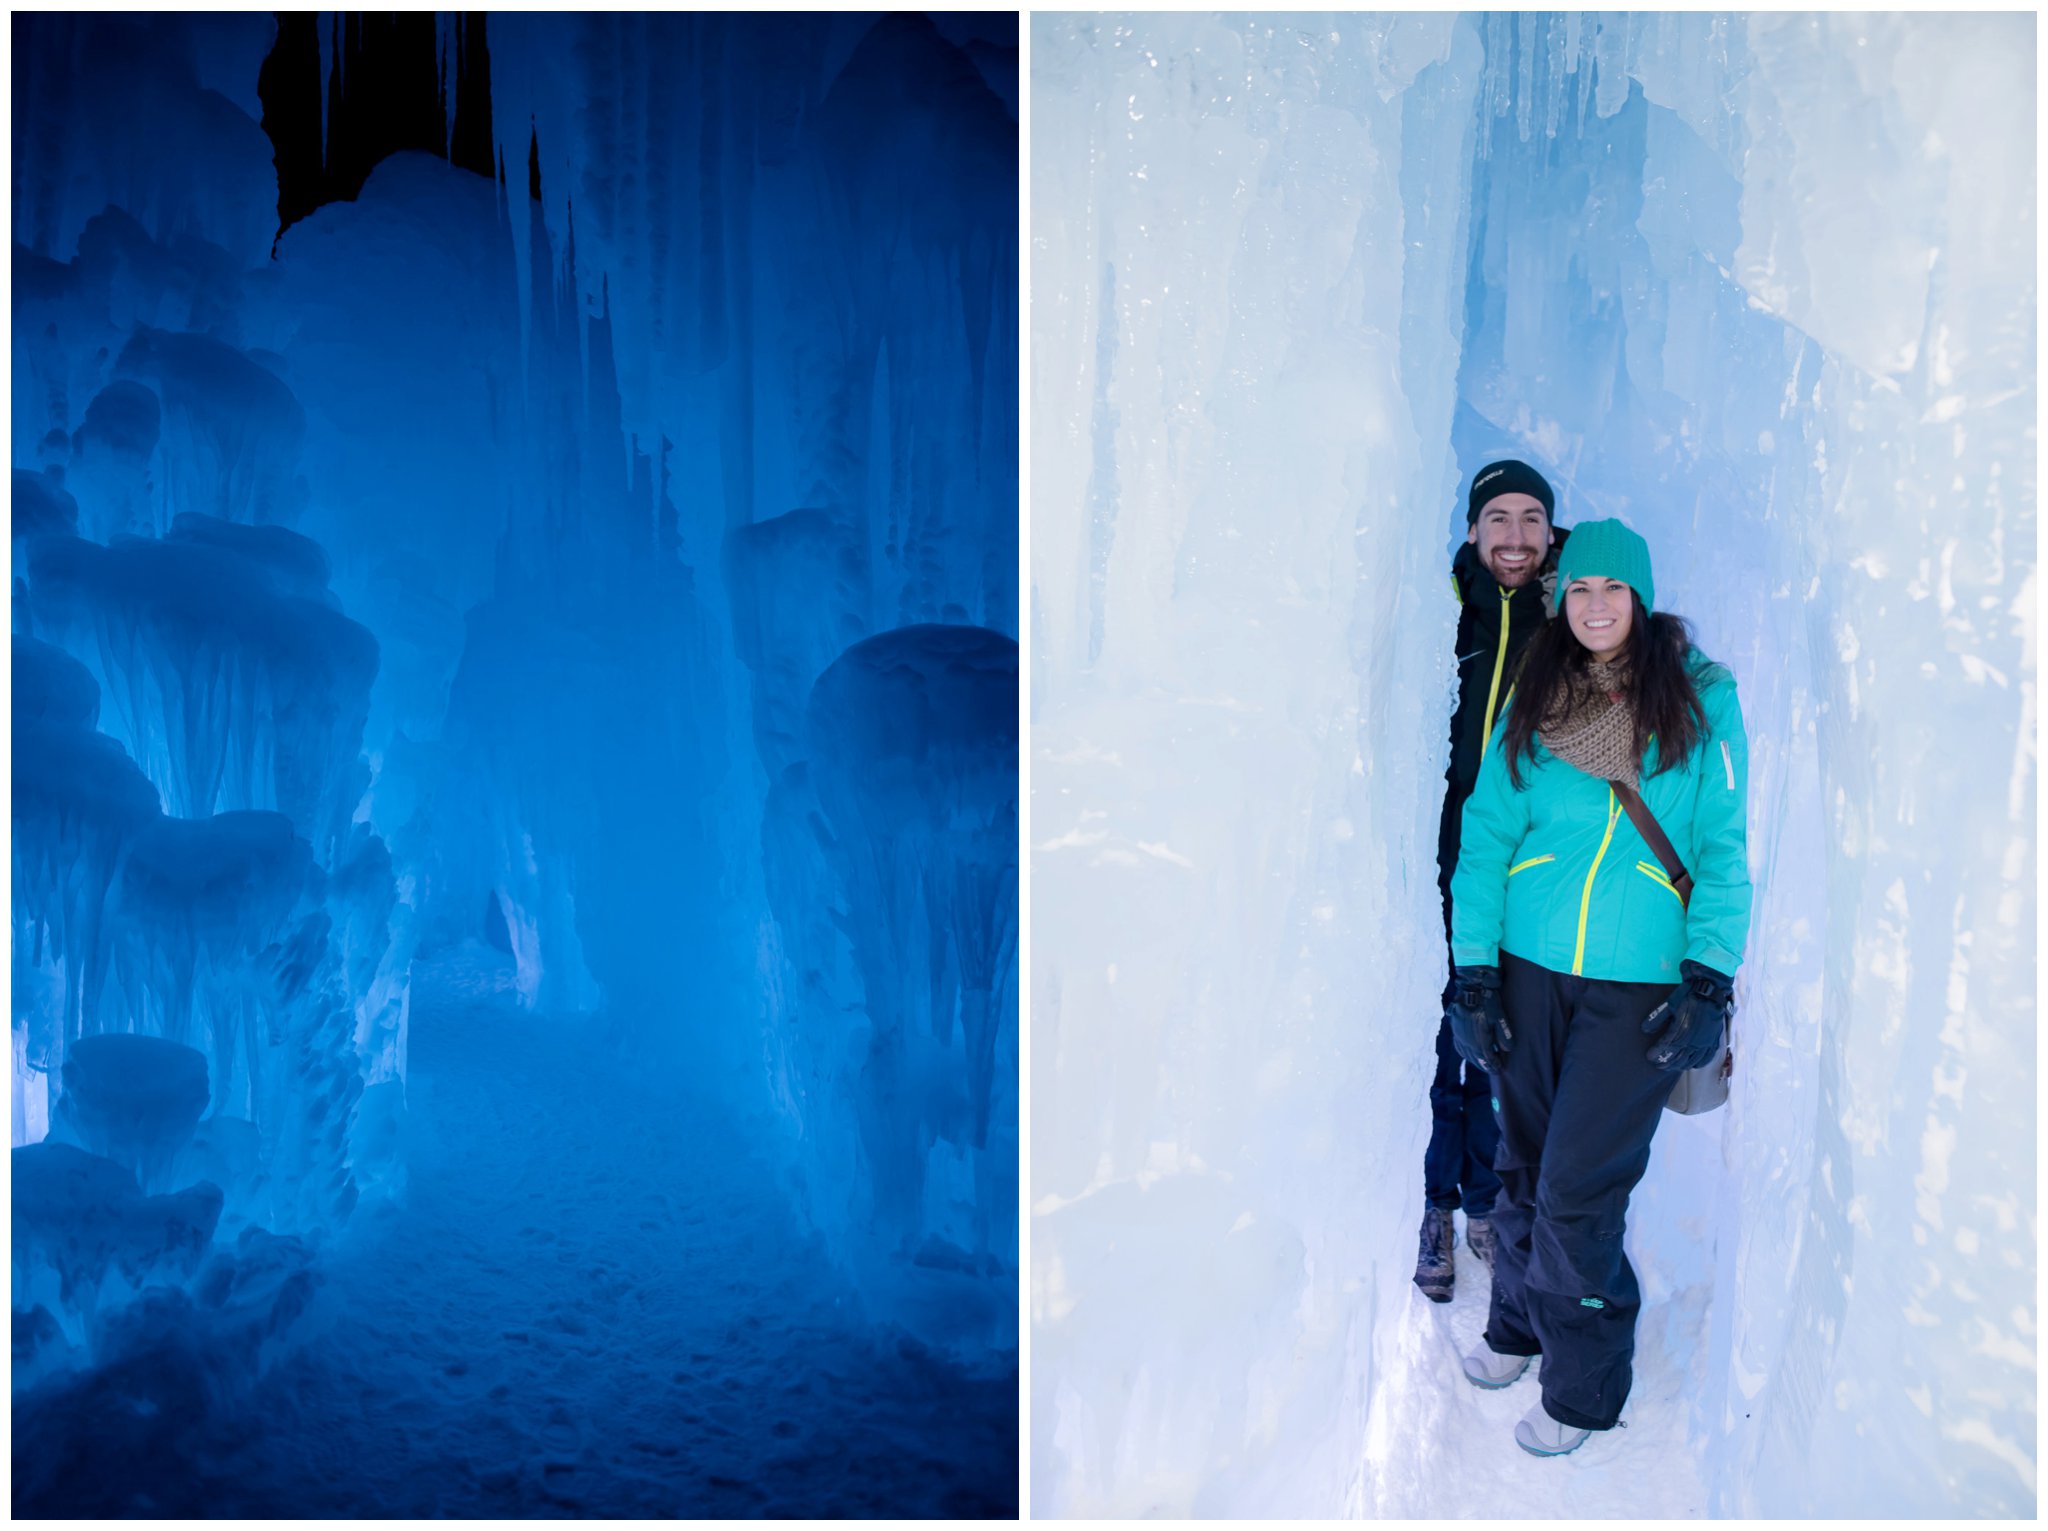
1512, 581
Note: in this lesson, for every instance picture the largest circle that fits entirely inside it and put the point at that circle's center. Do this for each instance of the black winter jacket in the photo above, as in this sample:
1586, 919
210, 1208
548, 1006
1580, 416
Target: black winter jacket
1493, 625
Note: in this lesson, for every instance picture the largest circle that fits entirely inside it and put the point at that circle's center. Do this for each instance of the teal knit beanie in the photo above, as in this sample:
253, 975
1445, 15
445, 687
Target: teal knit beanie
1606, 548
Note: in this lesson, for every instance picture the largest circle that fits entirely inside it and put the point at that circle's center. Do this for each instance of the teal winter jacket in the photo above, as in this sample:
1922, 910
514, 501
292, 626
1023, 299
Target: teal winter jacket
1556, 873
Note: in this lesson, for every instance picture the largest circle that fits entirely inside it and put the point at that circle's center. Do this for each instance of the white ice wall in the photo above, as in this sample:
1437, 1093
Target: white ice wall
1242, 384
1880, 1349
1249, 298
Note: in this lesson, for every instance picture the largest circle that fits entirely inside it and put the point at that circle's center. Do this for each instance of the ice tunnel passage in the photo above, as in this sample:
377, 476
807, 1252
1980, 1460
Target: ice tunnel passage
1762, 286
514, 890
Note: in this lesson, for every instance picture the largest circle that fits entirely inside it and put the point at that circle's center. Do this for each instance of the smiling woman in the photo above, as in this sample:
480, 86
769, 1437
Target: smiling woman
1635, 651
1557, 979
1602, 614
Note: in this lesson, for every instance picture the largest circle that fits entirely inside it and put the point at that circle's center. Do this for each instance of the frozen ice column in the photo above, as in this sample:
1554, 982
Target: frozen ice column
913, 748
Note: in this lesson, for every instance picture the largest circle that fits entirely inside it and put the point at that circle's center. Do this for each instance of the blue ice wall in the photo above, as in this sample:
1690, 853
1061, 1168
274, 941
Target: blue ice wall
530, 485
1759, 286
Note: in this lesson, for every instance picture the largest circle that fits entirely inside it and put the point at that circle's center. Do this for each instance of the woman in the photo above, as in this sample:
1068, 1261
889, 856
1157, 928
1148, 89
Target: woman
1573, 950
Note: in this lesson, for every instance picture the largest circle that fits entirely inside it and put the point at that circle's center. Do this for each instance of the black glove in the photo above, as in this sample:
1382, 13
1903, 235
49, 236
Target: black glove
1479, 1027
1693, 1019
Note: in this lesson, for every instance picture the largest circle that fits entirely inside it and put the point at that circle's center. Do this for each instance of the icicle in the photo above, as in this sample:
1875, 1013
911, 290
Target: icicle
1528, 44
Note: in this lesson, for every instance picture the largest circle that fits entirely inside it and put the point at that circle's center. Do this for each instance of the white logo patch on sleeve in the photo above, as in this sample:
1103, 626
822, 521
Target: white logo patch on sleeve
1728, 764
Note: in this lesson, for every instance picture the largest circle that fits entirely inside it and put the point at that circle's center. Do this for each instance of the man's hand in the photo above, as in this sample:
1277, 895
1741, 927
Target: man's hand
1479, 1027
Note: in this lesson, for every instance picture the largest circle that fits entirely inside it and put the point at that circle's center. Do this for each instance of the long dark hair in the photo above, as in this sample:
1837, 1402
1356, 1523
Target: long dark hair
1662, 693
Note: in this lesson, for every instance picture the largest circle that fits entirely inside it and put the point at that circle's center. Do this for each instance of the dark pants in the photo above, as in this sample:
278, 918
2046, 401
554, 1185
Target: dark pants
1579, 1103
1457, 1167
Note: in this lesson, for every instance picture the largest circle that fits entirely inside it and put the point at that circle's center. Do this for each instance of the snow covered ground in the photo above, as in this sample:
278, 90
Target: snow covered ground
588, 1302
1444, 1449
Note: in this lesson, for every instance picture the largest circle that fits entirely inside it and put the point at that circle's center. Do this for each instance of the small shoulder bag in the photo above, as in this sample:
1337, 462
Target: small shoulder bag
1706, 1087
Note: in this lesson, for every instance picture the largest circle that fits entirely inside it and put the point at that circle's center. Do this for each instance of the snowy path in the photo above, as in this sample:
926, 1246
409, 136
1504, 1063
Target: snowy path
588, 1303
1440, 1448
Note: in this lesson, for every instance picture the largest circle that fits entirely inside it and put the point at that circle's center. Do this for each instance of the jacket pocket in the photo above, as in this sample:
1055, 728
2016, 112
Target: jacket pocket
1656, 875
1533, 861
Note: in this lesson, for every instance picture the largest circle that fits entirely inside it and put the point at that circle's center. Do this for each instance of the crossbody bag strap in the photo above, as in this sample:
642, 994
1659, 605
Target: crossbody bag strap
1653, 835
1681, 881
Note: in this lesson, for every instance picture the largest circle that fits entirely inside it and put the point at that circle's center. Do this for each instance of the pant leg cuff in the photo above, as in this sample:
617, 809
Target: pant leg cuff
1565, 1415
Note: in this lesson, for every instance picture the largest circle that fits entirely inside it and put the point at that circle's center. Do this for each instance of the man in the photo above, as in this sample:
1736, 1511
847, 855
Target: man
1502, 576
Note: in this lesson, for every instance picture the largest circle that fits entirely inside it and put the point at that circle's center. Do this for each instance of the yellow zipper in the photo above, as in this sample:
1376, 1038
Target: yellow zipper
1532, 861
1500, 658
1656, 875
1586, 897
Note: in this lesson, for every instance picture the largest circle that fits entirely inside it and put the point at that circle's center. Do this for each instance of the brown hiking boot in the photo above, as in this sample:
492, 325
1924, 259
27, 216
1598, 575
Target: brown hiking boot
1433, 1270
1480, 1239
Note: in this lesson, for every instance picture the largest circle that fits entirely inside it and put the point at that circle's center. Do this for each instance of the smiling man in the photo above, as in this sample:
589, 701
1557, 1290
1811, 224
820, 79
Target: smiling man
1502, 575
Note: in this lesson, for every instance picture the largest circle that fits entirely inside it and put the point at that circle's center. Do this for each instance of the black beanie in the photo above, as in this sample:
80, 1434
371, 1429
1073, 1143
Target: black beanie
1508, 476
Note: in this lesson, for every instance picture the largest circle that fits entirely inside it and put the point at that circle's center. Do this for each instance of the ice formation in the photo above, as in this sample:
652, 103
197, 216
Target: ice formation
1762, 286
448, 453
913, 746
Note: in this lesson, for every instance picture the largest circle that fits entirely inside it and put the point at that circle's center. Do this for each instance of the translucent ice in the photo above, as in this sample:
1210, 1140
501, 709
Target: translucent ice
80, 807
133, 1099
83, 1231
227, 683
51, 688
203, 166
450, 452
912, 740
41, 505
212, 937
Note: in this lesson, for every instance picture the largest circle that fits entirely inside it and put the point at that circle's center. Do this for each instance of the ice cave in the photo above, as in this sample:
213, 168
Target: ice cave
1762, 286
514, 923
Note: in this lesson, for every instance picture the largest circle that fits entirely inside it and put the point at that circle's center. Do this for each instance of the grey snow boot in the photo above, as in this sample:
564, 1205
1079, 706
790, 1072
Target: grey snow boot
1488, 1368
1541, 1436
1479, 1238
1433, 1270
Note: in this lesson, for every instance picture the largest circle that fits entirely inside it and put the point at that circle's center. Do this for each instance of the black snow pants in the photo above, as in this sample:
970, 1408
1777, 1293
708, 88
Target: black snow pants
1457, 1166
1579, 1103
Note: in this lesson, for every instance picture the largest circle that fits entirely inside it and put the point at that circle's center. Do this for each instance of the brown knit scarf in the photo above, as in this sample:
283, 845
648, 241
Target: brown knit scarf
1590, 725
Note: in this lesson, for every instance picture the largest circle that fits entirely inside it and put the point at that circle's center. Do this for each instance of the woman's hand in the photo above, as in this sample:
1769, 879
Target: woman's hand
1479, 1027
1693, 1020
